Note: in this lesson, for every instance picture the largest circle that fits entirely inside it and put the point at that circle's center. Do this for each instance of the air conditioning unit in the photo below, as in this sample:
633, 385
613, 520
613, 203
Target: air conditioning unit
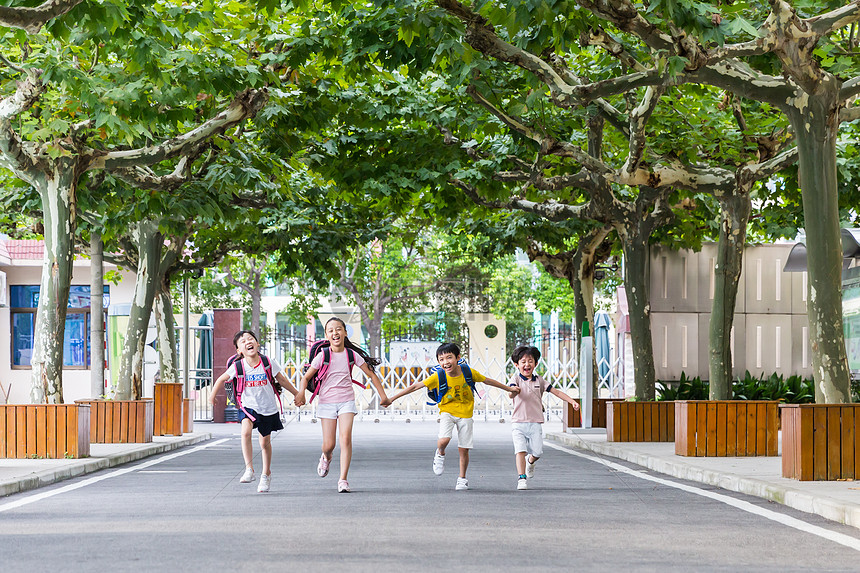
3, 300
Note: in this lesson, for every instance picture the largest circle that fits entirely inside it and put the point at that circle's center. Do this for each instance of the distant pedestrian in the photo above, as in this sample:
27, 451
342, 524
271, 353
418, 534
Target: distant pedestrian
336, 407
527, 427
452, 386
258, 398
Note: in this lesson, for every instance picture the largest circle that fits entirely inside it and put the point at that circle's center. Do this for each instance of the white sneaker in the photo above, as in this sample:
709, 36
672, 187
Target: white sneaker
265, 482
438, 463
522, 483
462, 483
530, 469
248, 476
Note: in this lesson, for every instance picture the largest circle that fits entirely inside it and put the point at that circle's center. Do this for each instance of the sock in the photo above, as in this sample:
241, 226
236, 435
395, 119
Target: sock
522, 476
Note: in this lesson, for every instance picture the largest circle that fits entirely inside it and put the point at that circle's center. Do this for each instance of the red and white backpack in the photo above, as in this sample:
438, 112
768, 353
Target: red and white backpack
235, 386
315, 383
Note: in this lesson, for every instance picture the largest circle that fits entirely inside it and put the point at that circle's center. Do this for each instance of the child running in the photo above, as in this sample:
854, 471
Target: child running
336, 405
456, 403
260, 402
527, 427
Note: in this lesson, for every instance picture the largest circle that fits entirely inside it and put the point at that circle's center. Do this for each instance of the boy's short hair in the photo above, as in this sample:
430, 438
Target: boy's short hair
240, 334
448, 348
523, 350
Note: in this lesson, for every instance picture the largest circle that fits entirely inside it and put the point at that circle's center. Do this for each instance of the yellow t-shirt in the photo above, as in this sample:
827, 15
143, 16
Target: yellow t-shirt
459, 400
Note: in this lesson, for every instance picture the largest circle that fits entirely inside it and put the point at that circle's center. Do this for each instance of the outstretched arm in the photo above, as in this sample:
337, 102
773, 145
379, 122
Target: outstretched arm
303, 385
286, 383
377, 383
556, 392
405, 391
512, 390
216, 387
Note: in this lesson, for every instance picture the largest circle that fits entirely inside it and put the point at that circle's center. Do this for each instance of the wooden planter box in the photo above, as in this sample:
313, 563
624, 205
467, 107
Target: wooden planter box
570, 418
726, 428
168, 409
53, 431
640, 422
187, 415
820, 441
120, 421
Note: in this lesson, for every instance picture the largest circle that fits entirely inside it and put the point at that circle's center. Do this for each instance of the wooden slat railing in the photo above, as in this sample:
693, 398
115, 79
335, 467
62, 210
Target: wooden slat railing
640, 422
571, 418
45, 431
120, 421
820, 441
726, 428
168, 409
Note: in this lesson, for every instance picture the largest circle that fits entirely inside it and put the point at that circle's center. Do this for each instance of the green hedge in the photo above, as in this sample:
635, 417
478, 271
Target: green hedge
791, 390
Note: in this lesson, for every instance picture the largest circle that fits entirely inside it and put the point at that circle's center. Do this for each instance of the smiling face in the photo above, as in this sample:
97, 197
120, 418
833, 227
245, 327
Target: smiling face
248, 346
335, 333
526, 365
448, 361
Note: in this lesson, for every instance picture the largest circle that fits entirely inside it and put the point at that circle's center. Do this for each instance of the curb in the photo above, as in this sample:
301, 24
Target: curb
87, 466
827, 507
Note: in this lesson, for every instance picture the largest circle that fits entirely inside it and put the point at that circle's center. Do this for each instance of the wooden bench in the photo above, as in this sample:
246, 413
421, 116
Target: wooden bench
571, 418
120, 421
53, 431
820, 441
726, 428
168, 409
640, 422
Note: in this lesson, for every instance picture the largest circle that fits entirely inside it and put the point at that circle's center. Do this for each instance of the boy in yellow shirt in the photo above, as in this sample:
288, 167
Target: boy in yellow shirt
452, 386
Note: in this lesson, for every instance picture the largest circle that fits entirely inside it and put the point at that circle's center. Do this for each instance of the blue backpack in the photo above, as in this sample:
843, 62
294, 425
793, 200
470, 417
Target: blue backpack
436, 394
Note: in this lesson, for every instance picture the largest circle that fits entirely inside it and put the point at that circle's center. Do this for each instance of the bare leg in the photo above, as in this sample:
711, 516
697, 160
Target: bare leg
345, 422
266, 448
329, 430
464, 461
247, 447
442, 444
521, 463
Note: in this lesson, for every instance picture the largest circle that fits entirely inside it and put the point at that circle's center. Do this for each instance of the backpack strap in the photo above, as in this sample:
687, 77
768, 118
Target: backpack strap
441, 389
267, 364
350, 359
240, 386
322, 371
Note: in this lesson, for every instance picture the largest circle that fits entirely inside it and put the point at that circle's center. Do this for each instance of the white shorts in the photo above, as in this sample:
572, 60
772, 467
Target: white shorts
528, 437
464, 429
332, 411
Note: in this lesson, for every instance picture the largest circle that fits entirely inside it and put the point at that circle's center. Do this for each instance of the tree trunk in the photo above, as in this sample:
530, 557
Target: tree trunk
374, 336
734, 214
97, 323
816, 129
634, 242
167, 356
57, 192
150, 241
256, 298
583, 291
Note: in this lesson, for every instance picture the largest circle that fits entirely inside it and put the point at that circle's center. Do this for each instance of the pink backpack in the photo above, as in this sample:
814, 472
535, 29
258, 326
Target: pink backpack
315, 383
236, 386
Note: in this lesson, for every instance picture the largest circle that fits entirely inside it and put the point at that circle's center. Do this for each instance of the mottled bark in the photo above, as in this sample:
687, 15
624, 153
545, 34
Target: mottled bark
57, 191
816, 130
149, 243
165, 325
734, 215
97, 324
636, 260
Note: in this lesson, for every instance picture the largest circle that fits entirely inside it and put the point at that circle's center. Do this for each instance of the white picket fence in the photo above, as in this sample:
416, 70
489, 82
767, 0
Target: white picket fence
492, 403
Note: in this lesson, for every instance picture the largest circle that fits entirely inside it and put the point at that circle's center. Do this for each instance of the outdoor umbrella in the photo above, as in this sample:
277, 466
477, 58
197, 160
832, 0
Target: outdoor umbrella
602, 323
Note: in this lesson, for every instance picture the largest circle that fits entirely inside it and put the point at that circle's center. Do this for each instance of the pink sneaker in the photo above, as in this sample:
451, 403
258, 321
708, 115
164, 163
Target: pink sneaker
322, 467
343, 486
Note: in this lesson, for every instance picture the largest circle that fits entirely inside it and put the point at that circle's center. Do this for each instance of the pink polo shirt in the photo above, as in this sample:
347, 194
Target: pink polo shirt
337, 386
528, 405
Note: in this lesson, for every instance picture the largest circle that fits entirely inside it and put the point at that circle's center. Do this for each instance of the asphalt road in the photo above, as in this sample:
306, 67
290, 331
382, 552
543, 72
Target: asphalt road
187, 511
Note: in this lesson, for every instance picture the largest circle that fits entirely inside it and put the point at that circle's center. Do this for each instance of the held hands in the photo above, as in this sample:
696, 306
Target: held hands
575, 404
513, 390
385, 402
299, 399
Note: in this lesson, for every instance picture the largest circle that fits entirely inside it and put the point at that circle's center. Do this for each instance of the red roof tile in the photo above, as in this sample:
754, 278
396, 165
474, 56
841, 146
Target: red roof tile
26, 250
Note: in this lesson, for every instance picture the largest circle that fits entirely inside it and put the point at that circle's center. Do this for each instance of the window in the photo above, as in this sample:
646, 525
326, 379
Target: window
76, 343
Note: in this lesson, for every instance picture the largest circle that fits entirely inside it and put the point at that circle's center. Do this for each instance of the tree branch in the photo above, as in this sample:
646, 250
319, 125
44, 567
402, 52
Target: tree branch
31, 19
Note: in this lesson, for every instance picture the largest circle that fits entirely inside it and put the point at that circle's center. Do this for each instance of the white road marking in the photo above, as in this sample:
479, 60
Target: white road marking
795, 523
45, 495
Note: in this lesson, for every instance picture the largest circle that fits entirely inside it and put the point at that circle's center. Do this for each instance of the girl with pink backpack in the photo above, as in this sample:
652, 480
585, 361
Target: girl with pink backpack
330, 376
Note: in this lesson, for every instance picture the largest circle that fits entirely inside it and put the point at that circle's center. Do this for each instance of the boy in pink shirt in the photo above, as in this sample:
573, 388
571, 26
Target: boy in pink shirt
527, 427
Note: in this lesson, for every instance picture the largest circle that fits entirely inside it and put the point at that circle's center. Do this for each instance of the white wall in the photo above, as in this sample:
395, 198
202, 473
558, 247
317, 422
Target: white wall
76, 383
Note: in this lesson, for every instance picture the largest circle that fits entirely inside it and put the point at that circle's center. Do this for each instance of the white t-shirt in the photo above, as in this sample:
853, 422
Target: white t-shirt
337, 384
258, 394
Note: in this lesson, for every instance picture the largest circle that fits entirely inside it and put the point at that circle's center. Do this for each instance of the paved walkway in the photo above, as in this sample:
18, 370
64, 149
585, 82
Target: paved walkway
758, 476
23, 475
